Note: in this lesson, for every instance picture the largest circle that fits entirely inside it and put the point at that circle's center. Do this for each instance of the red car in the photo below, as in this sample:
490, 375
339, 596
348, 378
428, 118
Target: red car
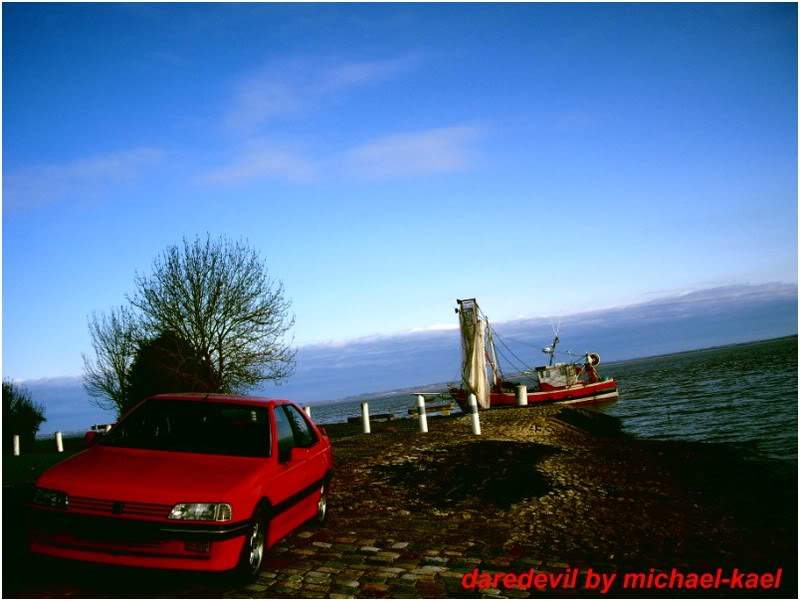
189, 482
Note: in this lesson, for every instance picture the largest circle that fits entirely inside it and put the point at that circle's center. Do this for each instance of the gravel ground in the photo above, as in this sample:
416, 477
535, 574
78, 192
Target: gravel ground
543, 488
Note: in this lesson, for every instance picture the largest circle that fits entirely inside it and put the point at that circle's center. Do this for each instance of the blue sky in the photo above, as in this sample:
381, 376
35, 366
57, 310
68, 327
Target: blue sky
387, 159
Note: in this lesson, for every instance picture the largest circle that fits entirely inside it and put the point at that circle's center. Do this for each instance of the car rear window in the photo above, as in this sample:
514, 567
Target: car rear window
194, 427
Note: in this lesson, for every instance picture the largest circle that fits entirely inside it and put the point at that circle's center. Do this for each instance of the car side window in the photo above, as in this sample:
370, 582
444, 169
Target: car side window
285, 434
304, 436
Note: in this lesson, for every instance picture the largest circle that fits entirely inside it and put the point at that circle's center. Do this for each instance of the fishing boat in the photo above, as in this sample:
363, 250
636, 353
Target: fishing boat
569, 382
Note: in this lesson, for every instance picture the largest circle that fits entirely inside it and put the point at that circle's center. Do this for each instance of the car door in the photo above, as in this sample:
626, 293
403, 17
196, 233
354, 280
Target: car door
310, 450
293, 482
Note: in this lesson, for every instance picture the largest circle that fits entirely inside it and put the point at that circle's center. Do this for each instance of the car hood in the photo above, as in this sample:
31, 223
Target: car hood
105, 472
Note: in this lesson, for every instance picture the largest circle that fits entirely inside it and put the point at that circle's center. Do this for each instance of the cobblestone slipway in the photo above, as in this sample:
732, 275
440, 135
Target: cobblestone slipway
544, 488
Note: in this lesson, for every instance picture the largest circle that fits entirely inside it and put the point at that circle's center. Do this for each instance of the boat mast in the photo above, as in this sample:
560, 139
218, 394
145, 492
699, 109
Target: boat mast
497, 376
551, 350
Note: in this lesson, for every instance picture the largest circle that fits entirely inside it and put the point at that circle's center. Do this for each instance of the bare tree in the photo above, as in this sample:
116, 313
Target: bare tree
216, 295
115, 340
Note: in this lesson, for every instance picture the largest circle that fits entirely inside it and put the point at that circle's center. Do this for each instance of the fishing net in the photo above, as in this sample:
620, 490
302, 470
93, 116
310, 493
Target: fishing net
473, 348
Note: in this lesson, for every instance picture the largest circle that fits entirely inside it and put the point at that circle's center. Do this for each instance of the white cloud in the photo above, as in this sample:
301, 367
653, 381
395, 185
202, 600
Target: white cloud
73, 180
301, 84
258, 100
417, 153
408, 154
262, 160
436, 327
344, 75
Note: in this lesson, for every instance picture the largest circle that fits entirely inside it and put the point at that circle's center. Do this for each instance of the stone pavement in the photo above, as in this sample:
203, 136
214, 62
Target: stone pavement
411, 514
313, 564
542, 488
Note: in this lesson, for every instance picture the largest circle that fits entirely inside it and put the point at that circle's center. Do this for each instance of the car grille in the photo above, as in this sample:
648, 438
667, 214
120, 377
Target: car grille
121, 508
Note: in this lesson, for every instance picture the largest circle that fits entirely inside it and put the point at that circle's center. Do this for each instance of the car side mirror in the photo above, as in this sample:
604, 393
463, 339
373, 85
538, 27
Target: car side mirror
323, 431
91, 438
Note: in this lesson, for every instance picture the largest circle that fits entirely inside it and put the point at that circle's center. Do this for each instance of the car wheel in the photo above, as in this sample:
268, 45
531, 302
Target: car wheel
322, 506
255, 545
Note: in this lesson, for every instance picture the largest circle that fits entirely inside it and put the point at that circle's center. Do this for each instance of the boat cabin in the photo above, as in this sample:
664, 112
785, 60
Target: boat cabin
559, 375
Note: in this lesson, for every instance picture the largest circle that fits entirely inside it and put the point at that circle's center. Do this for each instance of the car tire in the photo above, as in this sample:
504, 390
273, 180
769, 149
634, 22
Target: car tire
255, 546
322, 506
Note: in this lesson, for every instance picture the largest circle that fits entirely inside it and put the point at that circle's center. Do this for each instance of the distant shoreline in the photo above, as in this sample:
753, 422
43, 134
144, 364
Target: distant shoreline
442, 386
701, 350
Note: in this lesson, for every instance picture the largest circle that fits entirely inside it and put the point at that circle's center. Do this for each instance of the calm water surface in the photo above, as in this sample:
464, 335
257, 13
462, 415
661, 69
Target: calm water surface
744, 395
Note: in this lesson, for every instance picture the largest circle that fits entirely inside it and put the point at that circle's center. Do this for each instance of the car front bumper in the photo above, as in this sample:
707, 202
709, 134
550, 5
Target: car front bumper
139, 543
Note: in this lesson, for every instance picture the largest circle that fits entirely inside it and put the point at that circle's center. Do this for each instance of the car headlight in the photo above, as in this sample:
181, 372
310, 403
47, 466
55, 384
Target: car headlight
212, 512
51, 498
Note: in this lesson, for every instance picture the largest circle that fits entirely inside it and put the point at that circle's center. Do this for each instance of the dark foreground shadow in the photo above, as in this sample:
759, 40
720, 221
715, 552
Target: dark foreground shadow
495, 472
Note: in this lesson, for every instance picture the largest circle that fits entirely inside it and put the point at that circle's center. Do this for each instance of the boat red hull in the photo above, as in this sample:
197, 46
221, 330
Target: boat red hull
596, 392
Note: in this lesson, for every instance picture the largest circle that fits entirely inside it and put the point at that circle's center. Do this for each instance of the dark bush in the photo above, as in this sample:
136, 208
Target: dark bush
20, 415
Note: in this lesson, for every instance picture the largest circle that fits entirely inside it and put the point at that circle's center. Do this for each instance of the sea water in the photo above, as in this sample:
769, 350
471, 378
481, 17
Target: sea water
743, 395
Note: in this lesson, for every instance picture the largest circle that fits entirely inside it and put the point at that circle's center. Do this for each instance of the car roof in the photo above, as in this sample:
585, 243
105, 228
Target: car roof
231, 399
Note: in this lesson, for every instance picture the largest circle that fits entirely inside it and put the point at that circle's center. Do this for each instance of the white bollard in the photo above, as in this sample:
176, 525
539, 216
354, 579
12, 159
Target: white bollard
16, 445
423, 418
473, 409
365, 416
59, 442
522, 395
307, 410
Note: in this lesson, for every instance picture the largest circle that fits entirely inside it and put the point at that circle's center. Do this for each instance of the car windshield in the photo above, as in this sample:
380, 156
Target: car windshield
194, 427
